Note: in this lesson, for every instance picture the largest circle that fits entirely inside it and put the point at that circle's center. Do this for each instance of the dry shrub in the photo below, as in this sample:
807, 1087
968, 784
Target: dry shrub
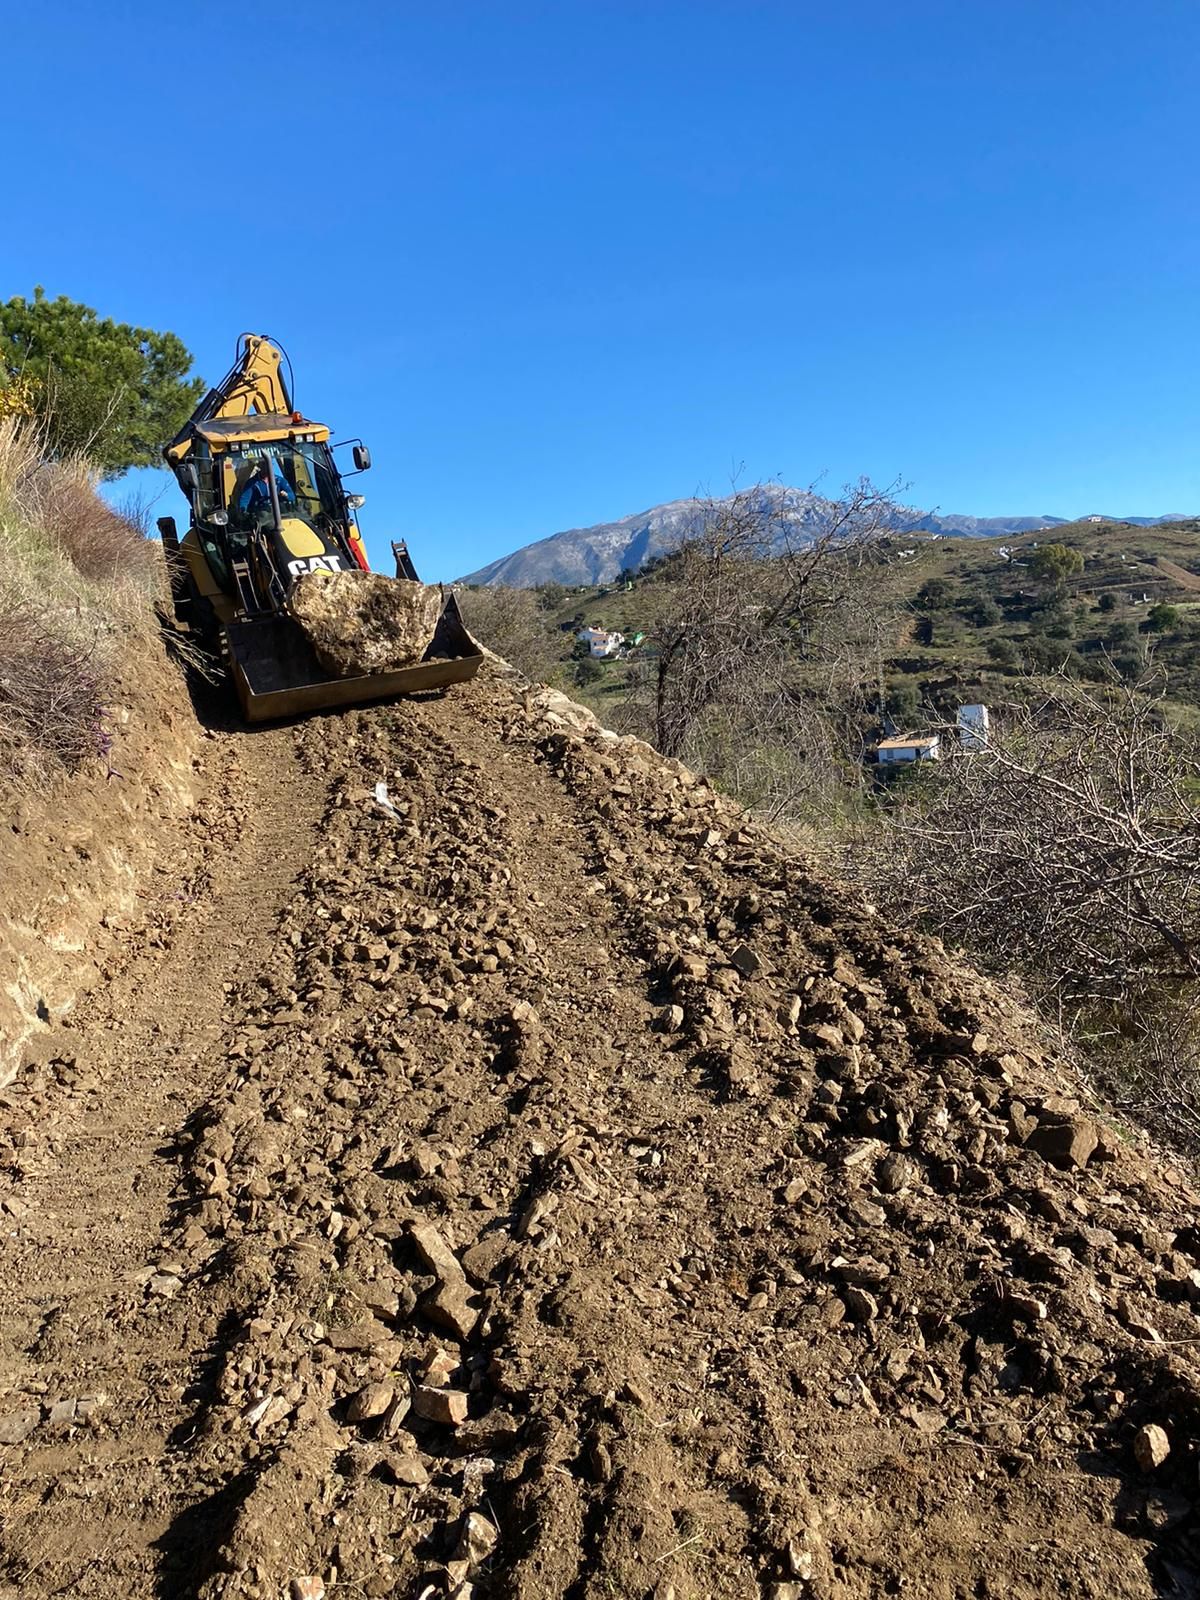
513, 624
75, 581
54, 508
763, 649
1067, 848
1067, 851
50, 695
100, 541
1146, 1060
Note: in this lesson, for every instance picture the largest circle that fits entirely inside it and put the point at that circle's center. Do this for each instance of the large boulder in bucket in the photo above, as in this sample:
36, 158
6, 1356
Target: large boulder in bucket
361, 623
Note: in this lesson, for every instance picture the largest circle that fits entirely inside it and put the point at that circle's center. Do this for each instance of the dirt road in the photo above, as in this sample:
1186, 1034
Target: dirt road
90, 1143
546, 1188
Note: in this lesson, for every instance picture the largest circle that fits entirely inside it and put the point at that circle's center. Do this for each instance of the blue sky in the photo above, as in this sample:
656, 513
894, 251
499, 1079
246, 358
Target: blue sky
560, 262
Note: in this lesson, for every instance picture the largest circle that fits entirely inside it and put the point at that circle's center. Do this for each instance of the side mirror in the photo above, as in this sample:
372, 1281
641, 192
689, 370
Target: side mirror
362, 457
354, 501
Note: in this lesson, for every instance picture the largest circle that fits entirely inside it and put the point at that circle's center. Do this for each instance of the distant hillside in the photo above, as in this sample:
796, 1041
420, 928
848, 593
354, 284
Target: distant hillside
973, 620
598, 554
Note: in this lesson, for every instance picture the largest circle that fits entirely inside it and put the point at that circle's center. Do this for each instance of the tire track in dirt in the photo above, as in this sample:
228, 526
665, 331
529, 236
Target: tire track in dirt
90, 1324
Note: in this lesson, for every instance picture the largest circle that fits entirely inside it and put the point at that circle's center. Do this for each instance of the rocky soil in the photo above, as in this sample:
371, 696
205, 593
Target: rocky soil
526, 1180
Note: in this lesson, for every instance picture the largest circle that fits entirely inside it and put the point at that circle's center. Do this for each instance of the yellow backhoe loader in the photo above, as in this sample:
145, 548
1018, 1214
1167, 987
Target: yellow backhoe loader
268, 508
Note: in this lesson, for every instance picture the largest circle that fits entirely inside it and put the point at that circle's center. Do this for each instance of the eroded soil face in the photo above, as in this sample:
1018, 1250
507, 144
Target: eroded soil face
549, 1188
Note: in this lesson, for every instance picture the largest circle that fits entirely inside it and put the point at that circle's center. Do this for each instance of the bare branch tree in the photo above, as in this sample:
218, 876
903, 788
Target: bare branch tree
513, 623
1068, 848
765, 644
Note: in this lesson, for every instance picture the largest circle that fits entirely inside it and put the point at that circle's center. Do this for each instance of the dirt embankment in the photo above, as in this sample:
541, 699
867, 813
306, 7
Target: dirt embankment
1186, 579
95, 857
541, 1186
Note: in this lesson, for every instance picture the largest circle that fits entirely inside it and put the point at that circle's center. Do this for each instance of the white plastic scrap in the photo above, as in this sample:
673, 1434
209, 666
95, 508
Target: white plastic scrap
384, 803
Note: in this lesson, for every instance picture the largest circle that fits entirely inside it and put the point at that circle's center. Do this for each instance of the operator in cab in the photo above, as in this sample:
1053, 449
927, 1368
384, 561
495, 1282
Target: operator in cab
256, 496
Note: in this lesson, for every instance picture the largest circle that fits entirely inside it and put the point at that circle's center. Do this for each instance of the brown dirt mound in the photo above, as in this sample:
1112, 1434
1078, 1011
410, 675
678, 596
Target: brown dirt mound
582, 1199
1181, 575
363, 622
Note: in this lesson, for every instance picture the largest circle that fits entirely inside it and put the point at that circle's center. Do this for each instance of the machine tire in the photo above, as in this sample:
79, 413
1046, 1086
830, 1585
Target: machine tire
203, 618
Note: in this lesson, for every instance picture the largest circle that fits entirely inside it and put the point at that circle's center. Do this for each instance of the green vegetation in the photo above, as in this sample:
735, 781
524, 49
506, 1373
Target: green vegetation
1163, 618
96, 387
977, 617
935, 594
1053, 563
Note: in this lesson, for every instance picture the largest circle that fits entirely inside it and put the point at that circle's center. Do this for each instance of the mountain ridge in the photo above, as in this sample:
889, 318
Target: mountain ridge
599, 553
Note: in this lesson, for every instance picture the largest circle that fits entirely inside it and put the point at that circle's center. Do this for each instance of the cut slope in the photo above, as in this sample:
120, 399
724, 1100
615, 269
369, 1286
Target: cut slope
1186, 579
589, 1201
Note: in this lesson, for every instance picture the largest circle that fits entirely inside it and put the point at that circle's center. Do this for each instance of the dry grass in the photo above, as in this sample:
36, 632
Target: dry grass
100, 542
75, 577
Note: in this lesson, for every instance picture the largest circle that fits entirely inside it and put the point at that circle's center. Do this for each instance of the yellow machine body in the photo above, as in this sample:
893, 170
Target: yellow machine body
232, 575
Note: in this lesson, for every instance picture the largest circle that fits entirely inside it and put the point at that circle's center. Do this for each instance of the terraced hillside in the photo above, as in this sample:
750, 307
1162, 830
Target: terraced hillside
972, 618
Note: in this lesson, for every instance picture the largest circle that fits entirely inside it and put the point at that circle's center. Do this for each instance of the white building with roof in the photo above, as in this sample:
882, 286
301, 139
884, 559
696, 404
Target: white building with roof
908, 747
974, 723
600, 642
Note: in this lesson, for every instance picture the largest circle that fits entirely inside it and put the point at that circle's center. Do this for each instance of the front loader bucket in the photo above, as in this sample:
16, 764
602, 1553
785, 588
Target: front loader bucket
278, 675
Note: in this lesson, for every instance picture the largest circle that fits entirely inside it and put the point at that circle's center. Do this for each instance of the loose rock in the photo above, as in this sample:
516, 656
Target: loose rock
1151, 1446
372, 1401
16, 1426
477, 1539
1065, 1144
364, 622
447, 1406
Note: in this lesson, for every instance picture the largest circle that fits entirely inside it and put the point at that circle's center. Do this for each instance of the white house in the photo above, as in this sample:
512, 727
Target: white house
973, 727
601, 642
909, 747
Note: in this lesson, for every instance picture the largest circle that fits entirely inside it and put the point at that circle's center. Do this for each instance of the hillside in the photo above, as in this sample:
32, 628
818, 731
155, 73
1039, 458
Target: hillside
551, 1187
598, 554
979, 617
973, 618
